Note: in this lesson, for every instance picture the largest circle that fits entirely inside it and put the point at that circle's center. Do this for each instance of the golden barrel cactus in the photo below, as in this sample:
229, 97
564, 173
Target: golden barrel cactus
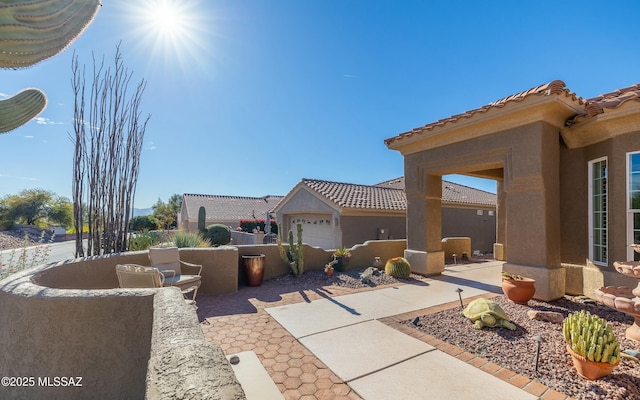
398, 267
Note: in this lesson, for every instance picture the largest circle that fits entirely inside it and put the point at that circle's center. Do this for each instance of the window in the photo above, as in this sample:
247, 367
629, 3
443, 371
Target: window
479, 212
598, 211
633, 201
491, 213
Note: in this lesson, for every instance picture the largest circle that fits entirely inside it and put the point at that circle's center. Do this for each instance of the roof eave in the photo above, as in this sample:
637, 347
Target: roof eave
552, 109
611, 123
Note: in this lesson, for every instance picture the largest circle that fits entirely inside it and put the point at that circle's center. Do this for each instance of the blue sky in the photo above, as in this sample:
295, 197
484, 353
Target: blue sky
248, 97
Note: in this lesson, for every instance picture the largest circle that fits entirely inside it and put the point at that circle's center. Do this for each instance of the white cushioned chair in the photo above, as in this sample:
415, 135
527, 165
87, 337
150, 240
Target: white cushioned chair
167, 261
137, 276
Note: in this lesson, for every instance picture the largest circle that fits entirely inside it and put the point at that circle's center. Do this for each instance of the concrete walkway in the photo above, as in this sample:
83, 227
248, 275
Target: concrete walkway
379, 362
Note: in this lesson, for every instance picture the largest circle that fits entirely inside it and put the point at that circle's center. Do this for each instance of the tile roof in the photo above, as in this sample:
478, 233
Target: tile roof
389, 195
556, 87
229, 208
600, 104
350, 195
592, 107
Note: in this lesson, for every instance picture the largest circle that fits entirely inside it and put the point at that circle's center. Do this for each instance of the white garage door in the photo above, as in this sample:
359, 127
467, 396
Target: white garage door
316, 230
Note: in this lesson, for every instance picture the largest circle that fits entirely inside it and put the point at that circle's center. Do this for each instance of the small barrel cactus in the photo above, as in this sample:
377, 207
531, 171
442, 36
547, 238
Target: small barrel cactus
591, 337
398, 267
218, 234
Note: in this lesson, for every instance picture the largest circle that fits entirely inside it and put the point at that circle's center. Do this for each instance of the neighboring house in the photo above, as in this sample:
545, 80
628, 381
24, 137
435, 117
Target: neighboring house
227, 210
336, 214
568, 174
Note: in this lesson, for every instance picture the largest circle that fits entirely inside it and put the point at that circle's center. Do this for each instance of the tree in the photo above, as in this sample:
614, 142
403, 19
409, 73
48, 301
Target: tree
28, 207
108, 143
144, 223
167, 214
36, 207
61, 212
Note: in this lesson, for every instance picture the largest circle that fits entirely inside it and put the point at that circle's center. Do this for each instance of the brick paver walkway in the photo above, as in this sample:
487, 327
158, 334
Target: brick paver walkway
238, 322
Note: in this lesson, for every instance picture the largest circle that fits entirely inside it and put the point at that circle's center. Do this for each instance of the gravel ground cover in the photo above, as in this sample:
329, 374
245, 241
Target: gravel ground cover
516, 350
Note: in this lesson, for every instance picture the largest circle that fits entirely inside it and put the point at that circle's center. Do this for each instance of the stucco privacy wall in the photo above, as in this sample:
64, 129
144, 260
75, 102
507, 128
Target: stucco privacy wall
103, 336
114, 339
315, 258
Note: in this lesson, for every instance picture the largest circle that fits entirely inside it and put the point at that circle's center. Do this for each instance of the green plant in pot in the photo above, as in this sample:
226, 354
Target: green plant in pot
341, 255
593, 347
517, 288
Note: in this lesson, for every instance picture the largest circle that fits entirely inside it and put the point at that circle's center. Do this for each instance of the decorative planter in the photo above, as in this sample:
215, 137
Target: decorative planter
342, 264
328, 271
588, 369
254, 269
519, 290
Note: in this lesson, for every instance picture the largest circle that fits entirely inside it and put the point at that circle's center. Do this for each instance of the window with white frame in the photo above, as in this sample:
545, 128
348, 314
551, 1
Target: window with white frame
633, 201
598, 211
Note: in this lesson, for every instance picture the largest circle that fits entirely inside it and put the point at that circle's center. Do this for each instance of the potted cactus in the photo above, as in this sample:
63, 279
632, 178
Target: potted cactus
518, 288
592, 345
341, 255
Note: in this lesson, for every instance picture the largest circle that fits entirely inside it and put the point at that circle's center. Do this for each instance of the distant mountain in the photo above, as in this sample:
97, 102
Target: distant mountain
137, 212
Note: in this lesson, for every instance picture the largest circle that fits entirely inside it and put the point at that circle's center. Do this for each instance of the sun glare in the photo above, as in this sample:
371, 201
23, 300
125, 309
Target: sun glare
172, 29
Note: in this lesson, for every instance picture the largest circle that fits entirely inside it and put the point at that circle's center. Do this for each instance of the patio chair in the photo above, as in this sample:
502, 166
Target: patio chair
167, 261
137, 276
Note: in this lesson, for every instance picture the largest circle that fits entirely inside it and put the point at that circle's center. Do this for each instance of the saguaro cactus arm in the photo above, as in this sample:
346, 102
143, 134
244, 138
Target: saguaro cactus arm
19, 109
32, 31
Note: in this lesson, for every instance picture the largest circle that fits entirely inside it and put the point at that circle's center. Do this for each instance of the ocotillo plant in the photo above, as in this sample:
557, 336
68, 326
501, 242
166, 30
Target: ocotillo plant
294, 255
29, 33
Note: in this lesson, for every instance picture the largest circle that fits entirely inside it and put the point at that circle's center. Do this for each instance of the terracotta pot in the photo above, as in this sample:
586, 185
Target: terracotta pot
519, 290
328, 271
588, 369
254, 269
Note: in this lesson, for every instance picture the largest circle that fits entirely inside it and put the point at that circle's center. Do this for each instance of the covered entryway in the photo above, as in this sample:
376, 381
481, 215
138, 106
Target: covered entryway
515, 141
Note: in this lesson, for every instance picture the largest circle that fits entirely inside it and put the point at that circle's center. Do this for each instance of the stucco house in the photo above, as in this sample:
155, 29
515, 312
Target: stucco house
226, 210
336, 214
568, 183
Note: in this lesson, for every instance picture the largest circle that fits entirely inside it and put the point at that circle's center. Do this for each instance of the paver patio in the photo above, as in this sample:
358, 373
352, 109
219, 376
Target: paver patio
238, 322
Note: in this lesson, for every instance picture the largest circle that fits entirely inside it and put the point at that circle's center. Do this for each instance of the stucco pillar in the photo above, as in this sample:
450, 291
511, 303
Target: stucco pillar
533, 218
499, 248
424, 240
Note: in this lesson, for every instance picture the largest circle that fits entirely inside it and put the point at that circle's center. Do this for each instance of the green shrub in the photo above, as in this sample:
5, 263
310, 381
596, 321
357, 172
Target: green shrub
189, 239
142, 241
218, 234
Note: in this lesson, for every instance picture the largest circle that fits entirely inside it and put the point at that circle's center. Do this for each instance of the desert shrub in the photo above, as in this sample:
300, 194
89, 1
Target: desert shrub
189, 239
142, 241
218, 234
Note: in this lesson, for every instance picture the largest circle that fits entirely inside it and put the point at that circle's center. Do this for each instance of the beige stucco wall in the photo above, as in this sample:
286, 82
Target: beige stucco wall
315, 258
459, 221
103, 336
359, 229
114, 339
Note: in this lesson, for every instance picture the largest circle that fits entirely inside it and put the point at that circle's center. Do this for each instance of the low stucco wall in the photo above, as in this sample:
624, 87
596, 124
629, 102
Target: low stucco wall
457, 246
219, 270
315, 258
182, 363
103, 336
123, 343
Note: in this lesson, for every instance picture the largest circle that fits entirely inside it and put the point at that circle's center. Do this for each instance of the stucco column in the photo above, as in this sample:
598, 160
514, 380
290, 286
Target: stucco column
499, 248
424, 239
533, 217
